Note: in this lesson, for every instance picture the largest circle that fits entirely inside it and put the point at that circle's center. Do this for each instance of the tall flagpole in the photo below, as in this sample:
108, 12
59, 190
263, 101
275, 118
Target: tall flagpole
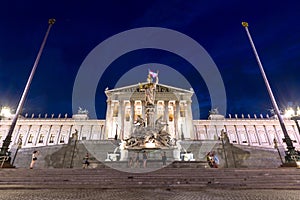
291, 154
7, 141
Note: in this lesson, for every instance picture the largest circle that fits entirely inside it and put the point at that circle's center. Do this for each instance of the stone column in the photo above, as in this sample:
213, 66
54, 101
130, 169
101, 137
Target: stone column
143, 110
26, 135
108, 120
58, 134
155, 111
69, 134
177, 115
196, 132
37, 136
102, 133
237, 135
166, 113
91, 133
80, 133
121, 117
277, 135
256, 134
16, 135
131, 115
189, 120
48, 135
248, 136
267, 135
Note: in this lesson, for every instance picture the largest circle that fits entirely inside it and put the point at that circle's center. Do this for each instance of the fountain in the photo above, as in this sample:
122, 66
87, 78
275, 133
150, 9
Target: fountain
147, 133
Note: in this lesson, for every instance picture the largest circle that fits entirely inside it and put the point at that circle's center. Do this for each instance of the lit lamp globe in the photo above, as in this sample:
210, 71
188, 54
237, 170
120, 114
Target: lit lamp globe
289, 112
5, 113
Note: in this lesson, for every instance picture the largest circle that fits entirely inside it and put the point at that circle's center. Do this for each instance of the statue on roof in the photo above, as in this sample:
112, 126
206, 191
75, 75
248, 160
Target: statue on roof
81, 111
150, 87
214, 111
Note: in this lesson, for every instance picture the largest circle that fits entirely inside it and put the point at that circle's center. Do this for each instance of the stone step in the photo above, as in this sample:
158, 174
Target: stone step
178, 178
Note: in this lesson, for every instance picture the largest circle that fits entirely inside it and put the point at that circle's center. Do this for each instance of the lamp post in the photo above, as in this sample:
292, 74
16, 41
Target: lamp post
7, 141
291, 154
18, 147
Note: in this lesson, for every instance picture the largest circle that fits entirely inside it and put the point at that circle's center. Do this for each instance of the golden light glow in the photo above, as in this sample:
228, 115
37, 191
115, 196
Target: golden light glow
298, 111
289, 112
5, 112
150, 145
245, 24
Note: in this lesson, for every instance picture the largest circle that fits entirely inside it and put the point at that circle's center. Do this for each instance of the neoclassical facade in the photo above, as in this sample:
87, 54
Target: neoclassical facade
125, 104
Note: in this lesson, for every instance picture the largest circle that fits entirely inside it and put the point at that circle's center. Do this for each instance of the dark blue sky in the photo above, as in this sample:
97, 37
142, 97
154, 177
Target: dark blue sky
216, 25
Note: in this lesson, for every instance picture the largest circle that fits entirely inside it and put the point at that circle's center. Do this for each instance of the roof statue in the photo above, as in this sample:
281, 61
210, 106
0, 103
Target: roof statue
214, 115
81, 111
214, 111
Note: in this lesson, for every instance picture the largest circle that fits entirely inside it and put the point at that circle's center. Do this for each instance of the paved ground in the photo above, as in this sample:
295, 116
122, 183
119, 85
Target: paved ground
138, 194
167, 183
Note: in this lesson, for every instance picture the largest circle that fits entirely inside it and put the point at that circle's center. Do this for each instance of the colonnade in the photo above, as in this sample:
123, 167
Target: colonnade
122, 115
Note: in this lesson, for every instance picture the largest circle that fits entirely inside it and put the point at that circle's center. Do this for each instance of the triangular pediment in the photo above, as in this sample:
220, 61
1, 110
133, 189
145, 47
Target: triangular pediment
163, 92
159, 88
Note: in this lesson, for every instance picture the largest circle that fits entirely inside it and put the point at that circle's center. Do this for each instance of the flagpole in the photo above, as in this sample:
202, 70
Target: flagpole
7, 141
291, 154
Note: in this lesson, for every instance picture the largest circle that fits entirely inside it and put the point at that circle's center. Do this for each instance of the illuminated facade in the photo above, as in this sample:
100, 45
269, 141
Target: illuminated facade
126, 103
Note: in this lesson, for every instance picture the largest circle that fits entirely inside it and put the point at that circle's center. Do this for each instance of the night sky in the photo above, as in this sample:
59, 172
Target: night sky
216, 25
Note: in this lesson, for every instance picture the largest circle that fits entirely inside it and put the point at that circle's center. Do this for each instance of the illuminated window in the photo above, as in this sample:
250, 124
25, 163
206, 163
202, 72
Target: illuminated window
30, 138
62, 139
51, 138
127, 111
41, 139
182, 110
171, 117
116, 110
138, 110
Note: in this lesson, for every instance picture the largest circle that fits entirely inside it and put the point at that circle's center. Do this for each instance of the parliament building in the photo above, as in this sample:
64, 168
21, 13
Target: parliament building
126, 104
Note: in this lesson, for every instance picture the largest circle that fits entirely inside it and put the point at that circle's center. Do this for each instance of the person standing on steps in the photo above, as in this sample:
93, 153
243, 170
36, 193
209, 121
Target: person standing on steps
34, 158
86, 162
145, 157
164, 159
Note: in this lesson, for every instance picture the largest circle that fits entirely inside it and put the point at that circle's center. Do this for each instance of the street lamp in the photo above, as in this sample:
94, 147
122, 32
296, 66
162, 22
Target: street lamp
7, 141
292, 156
5, 112
18, 148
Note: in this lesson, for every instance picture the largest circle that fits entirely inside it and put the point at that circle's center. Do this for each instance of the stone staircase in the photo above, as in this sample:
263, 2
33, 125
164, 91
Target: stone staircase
166, 178
71, 155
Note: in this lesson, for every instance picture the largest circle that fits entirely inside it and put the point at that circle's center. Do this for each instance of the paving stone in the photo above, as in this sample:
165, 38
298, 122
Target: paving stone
167, 183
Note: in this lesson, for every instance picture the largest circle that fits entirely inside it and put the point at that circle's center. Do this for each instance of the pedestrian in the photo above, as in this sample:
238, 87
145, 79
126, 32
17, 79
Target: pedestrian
130, 161
34, 158
164, 159
145, 157
86, 162
137, 160
209, 159
216, 161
